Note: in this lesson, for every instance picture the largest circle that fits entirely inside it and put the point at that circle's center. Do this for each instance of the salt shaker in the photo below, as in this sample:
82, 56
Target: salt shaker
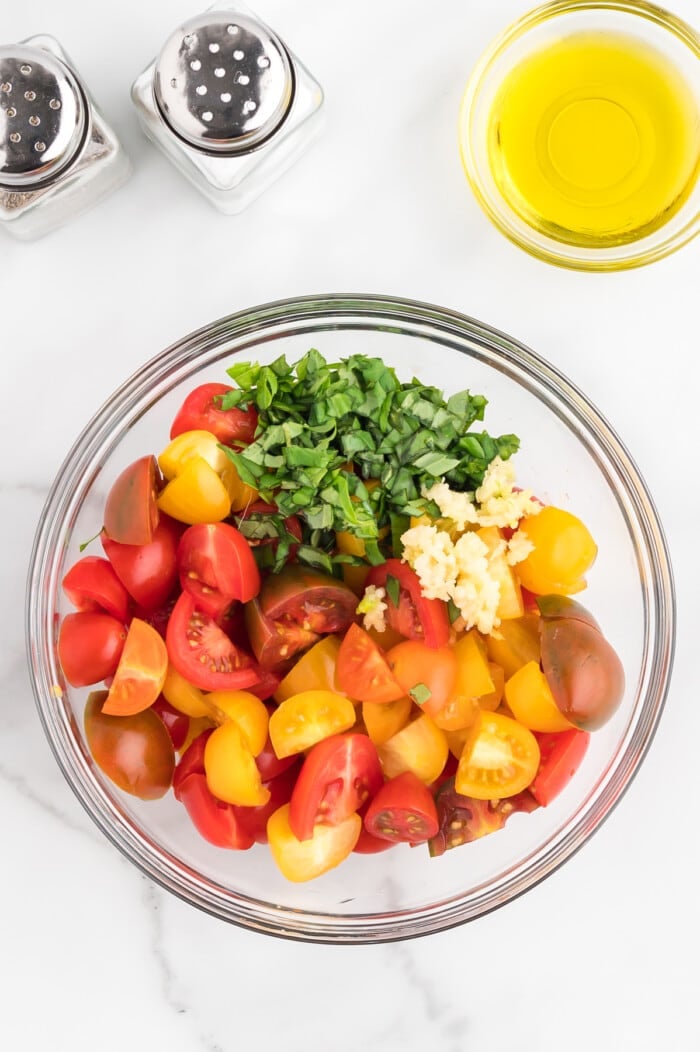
229, 104
58, 156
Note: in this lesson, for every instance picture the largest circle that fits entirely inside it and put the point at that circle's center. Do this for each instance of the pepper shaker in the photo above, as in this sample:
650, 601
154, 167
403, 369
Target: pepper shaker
229, 104
58, 156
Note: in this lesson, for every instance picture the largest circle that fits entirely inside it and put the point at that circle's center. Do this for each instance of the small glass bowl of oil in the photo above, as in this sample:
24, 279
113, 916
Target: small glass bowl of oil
580, 133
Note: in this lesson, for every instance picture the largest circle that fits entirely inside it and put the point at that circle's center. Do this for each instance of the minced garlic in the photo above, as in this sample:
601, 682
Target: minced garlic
373, 607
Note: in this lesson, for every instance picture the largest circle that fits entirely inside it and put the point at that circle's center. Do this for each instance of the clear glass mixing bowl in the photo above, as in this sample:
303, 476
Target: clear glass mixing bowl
570, 456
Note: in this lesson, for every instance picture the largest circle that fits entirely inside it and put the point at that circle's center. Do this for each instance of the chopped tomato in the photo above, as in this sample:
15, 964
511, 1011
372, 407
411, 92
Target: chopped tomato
141, 671
314, 670
202, 652
89, 647
531, 701
246, 710
183, 696
315, 601
563, 552
363, 672
500, 758
216, 566
147, 571
301, 860
516, 643
275, 643
196, 494
217, 822
92, 584
384, 721
135, 752
338, 775
307, 718
131, 512
426, 674
420, 747
202, 410
414, 616
561, 756
255, 819
176, 723
464, 819
269, 763
403, 811
232, 774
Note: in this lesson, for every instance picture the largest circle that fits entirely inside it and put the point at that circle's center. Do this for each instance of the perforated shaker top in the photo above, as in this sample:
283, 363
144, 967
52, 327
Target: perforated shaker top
223, 82
43, 117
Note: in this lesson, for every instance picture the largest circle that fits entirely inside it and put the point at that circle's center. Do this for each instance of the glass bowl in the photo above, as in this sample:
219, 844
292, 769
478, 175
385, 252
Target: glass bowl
557, 164
569, 456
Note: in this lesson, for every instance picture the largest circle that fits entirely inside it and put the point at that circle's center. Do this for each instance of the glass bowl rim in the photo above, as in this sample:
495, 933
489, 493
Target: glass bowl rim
374, 313
594, 260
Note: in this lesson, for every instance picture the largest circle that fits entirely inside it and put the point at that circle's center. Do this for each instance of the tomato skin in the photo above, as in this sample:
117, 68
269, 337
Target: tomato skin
215, 821
89, 647
200, 412
464, 819
301, 860
561, 756
563, 552
202, 652
216, 566
403, 811
584, 673
135, 752
315, 601
415, 664
338, 775
147, 571
363, 672
91, 584
131, 513
192, 760
176, 723
415, 617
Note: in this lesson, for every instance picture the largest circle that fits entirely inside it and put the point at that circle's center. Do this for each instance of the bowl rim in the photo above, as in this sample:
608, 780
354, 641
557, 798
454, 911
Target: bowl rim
537, 244
369, 312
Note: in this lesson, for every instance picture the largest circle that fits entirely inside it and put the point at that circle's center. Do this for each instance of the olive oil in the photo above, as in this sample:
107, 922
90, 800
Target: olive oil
595, 140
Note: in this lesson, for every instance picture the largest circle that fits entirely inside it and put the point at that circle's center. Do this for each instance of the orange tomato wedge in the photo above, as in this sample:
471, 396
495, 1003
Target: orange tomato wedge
140, 673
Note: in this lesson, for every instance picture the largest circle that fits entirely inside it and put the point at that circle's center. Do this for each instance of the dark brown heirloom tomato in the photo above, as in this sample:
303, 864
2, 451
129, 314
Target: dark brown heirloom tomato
463, 819
131, 513
135, 752
583, 671
294, 608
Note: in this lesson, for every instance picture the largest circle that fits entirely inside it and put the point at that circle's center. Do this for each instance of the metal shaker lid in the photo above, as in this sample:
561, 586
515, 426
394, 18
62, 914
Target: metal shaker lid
223, 82
43, 117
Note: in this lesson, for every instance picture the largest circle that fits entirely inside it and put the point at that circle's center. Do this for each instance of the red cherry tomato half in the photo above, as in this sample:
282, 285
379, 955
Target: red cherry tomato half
89, 647
176, 723
218, 823
216, 566
403, 811
414, 617
561, 756
463, 819
201, 411
147, 571
338, 775
192, 760
269, 764
92, 584
202, 652
362, 671
135, 752
131, 512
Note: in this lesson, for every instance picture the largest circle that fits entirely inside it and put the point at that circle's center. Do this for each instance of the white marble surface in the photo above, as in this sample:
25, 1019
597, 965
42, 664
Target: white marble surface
603, 954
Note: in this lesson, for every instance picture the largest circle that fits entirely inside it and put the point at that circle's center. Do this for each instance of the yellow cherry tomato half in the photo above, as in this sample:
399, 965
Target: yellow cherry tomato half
140, 673
307, 718
246, 710
563, 552
514, 643
531, 701
183, 696
315, 670
383, 721
500, 758
420, 747
230, 767
300, 860
196, 495
206, 445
